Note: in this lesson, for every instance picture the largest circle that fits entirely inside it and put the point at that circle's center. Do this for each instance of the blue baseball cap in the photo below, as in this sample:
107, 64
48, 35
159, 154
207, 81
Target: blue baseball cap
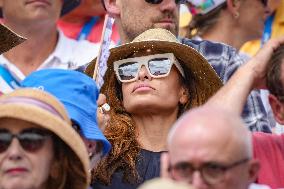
78, 93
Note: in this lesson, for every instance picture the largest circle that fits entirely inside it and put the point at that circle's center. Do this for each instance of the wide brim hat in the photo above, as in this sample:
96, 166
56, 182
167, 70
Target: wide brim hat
8, 39
207, 82
44, 110
68, 5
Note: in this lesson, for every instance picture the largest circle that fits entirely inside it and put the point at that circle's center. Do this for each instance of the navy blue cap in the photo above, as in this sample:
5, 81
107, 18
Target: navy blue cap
78, 93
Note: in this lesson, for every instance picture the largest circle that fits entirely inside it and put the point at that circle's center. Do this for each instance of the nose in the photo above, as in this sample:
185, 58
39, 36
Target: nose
143, 74
15, 151
197, 181
168, 5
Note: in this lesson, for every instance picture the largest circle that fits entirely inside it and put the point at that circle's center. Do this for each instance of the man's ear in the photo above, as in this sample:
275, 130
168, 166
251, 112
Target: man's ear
234, 7
277, 108
112, 8
254, 167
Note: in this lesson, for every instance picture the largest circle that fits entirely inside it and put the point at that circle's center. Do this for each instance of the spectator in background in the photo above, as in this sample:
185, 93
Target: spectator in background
264, 69
231, 22
274, 27
204, 142
86, 22
211, 149
46, 47
38, 147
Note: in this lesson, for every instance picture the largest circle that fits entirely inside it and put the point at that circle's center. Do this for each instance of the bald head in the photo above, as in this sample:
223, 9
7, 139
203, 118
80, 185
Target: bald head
208, 125
210, 136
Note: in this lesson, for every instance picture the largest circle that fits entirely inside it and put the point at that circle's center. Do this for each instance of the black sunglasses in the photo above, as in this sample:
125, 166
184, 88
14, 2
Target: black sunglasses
31, 140
160, 1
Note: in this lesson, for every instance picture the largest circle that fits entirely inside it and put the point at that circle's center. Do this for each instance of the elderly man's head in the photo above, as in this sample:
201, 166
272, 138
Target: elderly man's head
211, 148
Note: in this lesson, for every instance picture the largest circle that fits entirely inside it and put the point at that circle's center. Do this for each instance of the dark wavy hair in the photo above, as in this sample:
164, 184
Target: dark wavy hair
273, 77
121, 131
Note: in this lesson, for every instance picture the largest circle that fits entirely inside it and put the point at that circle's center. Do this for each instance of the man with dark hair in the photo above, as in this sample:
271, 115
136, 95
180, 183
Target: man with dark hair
146, 14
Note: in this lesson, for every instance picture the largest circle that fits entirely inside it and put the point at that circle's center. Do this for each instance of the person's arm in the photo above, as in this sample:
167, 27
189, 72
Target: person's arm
233, 94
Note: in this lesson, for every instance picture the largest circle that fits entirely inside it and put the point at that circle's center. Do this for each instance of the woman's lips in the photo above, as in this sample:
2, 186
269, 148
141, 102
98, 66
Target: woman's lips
42, 2
17, 170
142, 87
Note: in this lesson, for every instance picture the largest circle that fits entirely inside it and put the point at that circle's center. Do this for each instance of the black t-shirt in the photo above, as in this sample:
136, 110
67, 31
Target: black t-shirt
148, 167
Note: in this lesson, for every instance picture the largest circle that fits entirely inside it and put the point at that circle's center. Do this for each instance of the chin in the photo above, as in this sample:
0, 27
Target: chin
17, 185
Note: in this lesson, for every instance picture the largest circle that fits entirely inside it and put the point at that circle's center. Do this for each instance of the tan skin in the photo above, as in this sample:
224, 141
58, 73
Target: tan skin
152, 114
22, 169
143, 16
202, 135
248, 25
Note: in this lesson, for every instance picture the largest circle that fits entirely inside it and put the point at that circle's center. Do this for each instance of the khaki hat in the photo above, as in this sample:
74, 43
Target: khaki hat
164, 184
207, 82
44, 110
8, 39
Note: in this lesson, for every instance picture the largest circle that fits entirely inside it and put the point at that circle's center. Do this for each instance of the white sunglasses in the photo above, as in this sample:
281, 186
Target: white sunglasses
158, 65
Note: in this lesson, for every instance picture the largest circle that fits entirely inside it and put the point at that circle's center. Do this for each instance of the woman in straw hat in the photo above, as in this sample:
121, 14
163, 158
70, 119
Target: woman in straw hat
38, 147
150, 82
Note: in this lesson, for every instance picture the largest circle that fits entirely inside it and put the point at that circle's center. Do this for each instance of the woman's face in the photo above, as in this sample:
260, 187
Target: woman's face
24, 168
148, 95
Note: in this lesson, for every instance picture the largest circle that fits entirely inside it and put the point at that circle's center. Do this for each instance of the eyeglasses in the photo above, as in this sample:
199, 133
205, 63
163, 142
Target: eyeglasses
158, 65
211, 172
31, 140
160, 1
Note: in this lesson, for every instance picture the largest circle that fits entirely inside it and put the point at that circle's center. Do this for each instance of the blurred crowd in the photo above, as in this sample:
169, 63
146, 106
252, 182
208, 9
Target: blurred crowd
192, 94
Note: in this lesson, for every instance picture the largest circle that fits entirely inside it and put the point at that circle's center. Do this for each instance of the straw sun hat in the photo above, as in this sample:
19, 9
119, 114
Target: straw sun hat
42, 109
8, 39
207, 82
